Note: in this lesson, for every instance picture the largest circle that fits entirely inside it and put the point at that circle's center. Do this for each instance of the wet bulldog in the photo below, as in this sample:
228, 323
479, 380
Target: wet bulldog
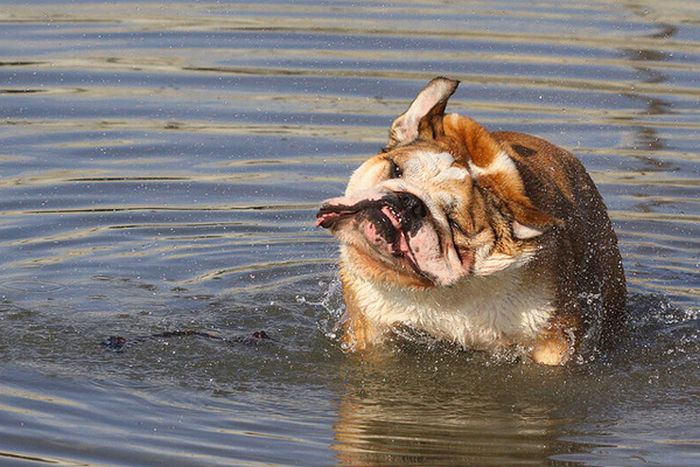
492, 241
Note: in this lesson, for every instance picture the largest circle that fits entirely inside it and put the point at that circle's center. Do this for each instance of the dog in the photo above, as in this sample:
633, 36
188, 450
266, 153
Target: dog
493, 241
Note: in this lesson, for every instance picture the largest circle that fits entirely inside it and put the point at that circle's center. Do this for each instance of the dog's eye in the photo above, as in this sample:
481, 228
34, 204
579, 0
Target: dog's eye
394, 170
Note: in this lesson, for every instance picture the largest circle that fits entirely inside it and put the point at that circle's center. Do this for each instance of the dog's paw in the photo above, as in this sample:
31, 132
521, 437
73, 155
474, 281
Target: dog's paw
553, 351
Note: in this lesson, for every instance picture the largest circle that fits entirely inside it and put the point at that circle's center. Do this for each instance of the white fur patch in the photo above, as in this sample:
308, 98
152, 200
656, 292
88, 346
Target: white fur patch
524, 232
477, 312
453, 173
427, 164
365, 177
502, 163
485, 265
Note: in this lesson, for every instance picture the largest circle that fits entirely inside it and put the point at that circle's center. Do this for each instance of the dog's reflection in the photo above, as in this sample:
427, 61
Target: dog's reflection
446, 411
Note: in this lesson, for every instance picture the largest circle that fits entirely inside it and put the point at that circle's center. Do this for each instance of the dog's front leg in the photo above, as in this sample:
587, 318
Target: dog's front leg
358, 332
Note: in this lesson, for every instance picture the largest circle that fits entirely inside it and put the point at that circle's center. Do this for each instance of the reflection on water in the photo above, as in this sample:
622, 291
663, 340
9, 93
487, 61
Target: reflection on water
443, 416
159, 170
451, 408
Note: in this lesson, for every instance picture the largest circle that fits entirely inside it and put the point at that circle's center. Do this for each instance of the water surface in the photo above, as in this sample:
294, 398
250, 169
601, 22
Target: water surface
160, 167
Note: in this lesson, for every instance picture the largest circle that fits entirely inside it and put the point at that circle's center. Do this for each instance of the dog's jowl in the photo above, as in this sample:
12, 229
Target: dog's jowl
489, 240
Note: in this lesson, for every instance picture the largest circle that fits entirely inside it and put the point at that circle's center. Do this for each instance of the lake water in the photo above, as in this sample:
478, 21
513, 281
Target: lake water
160, 168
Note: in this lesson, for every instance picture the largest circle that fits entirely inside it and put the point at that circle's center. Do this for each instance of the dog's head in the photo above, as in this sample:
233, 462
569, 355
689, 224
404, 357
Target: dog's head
442, 201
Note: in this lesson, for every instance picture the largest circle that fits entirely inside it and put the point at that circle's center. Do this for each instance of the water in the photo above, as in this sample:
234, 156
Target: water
160, 169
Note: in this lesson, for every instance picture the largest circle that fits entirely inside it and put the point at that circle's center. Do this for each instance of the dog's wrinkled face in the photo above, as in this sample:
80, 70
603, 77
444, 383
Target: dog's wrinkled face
405, 212
412, 215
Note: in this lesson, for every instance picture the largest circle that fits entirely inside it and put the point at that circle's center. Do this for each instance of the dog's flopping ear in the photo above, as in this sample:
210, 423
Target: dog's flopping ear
492, 168
424, 115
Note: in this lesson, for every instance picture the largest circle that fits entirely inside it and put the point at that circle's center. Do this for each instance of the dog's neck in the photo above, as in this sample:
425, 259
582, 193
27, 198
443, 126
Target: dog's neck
487, 312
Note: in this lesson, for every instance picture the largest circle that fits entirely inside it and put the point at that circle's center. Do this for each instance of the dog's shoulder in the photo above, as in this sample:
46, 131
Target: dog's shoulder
550, 174
553, 177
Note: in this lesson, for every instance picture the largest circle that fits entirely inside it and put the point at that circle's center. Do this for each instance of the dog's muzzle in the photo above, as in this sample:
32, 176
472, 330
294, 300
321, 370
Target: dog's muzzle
394, 211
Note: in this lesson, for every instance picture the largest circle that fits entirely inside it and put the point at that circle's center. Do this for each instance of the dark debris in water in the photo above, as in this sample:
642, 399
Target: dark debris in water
121, 343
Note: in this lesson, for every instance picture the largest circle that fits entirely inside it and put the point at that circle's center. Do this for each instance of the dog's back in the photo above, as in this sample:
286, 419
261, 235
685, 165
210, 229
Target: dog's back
586, 260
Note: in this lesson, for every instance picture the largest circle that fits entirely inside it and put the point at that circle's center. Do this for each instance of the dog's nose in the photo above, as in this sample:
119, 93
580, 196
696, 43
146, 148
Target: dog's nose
412, 205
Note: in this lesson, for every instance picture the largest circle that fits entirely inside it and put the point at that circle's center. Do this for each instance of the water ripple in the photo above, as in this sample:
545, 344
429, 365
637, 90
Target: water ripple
160, 169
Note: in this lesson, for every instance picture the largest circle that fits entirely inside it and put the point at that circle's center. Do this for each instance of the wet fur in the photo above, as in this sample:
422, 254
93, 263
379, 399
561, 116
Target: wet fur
542, 268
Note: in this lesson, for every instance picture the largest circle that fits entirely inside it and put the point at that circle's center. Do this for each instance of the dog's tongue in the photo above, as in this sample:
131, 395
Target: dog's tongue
329, 214
335, 209
327, 219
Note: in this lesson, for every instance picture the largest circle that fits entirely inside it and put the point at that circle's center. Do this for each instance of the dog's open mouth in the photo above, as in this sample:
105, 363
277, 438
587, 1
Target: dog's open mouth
390, 222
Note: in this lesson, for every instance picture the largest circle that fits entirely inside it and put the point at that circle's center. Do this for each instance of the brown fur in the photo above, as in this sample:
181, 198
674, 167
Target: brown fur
584, 249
